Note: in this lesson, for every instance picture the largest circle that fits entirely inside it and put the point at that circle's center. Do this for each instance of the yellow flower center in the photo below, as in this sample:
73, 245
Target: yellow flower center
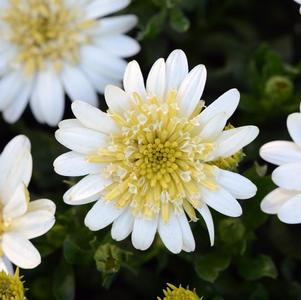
174, 293
11, 286
44, 31
158, 160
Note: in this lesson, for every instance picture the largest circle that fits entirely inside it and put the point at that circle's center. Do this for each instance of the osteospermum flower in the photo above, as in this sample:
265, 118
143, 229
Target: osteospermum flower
11, 286
20, 218
51, 46
178, 293
150, 160
285, 201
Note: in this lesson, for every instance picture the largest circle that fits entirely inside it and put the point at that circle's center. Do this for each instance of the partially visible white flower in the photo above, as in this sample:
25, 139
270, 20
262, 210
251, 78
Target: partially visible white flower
285, 201
49, 47
20, 218
299, 2
151, 160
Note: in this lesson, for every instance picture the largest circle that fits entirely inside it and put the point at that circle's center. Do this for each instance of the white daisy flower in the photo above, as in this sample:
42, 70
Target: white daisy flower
48, 47
299, 2
20, 219
285, 201
150, 159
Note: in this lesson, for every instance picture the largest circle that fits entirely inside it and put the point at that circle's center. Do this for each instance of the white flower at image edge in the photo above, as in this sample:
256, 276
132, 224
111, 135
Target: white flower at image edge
149, 162
20, 218
285, 201
299, 2
49, 47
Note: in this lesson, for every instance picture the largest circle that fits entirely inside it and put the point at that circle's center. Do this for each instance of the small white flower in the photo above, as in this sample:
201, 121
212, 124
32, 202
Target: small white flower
169, 173
20, 219
285, 201
48, 47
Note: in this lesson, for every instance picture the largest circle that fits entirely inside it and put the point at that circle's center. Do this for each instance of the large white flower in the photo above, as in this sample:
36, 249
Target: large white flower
285, 201
48, 47
150, 160
20, 219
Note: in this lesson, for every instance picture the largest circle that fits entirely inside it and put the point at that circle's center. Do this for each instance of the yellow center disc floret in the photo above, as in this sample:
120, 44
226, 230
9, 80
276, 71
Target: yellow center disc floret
44, 31
11, 286
178, 293
157, 161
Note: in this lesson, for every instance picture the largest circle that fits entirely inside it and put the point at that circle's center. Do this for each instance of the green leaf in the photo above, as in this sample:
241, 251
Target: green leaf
178, 21
258, 267
209, 267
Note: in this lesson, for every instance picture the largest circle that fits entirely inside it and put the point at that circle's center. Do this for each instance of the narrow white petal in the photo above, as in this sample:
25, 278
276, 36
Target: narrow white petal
86, 188
102, 214
117, 99
188, 239
233, 140
42, 204
226, 103
176, 69
206, 215
34, 224
293, 126
222, 201
239, 186
290, 211
77, 85
191, 90
82, 140
93, 117
123, 226
100, 8
280, 152
133, 79
171, 234
70, 123
35, 104
20, 251
272, 202
144, 232
17, 204
288, 176
156, 80
6, 265
75, 164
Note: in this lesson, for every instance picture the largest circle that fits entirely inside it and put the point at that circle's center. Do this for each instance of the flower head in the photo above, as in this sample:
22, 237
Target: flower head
51, 46
11, 286
150, 158
20, 218
178, 293
285, 201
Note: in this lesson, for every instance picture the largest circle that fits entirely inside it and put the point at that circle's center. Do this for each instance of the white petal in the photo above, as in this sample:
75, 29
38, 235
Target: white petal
226, 103
171, 234
6, 265
280, 152
290, 211
272, 202
116, 25
50, 94
100, 8
119, 45
233, 140
77, 85
294, 126
206, 215
222, 201
239, 186
191, 90
13, 112
75, 164
288, 176
144, 231
20, 251
17, 204
123, 226
117, 99
89, 186
133, 79
82, 140
176, 69
34, 224
70, 123
155, 83
35, 104
93, 117
102, 214
188, 239
42, 204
